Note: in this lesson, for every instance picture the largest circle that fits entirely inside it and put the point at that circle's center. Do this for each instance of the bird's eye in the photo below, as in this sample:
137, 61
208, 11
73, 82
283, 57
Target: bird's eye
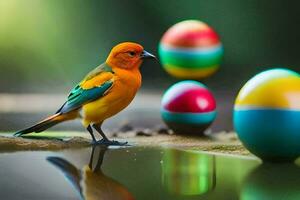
131, 53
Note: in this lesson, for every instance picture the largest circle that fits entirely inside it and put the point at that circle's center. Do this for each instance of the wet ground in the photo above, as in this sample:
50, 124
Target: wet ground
221, 142
142, 173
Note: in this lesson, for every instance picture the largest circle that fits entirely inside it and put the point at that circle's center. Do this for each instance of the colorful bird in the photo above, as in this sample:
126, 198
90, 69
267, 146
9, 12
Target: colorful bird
104, 92
90, 182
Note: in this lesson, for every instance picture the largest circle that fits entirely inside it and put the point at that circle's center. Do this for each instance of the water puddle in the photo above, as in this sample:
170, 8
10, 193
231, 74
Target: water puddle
142, 173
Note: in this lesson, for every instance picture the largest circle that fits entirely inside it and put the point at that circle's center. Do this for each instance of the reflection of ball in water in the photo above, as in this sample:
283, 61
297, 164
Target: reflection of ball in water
188, 173
267, 115
191, 50
188, 107
272, 182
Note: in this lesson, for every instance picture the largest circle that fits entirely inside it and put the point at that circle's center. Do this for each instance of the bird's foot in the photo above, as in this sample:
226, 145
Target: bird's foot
109, 143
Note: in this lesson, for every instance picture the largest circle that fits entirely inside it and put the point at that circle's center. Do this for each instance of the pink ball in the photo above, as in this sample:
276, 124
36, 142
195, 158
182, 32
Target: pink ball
188, 107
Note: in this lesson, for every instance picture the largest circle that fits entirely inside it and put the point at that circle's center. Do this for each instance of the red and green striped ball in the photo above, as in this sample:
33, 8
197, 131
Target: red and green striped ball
188, 107
190, 50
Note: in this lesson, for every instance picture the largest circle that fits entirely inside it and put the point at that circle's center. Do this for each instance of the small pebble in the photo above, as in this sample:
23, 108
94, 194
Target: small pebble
145, 132
164, 131
115, 134
126, 128
141, 133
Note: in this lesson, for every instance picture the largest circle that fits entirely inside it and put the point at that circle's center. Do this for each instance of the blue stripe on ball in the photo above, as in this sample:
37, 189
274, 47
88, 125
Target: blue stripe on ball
189, 118
269, 133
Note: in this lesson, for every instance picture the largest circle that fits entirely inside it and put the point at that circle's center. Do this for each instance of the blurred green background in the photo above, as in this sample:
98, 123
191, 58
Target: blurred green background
47, 46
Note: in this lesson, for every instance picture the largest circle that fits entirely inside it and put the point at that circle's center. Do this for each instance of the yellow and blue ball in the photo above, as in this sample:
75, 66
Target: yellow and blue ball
188, 107
190, 50
267, 115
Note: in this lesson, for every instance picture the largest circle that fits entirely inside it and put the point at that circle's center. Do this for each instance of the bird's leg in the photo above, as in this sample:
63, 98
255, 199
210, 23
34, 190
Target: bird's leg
105, 140
100, 158
97, 127
90, 130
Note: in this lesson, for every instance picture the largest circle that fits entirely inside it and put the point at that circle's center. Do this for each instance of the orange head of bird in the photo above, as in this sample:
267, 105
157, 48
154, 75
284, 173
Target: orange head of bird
127, 55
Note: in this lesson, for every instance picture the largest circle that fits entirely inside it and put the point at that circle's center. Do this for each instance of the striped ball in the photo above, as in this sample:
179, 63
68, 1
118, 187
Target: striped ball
188, 173
188, 107
190, 50
267, 115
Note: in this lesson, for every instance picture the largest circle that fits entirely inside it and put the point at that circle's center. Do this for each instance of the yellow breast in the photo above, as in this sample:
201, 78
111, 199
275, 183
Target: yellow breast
125, 85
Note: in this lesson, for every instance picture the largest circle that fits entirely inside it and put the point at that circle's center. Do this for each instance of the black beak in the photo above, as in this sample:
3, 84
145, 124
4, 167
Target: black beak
146, 55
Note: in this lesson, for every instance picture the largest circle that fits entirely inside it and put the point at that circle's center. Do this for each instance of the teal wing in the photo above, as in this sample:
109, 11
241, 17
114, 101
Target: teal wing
80, 96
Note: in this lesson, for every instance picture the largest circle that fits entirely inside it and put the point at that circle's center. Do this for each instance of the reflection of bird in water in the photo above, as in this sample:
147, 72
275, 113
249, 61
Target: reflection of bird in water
272, 181
90, 182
